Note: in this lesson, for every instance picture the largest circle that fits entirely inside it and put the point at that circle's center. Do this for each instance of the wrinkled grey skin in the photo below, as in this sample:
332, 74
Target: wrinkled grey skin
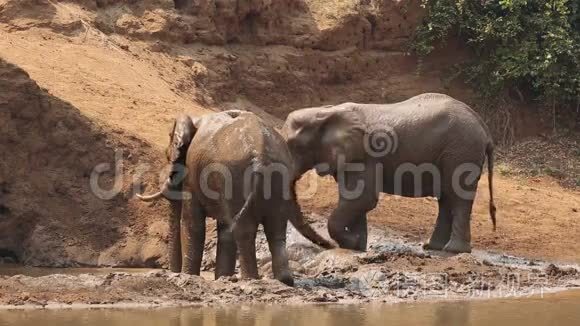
239, 141
429, 128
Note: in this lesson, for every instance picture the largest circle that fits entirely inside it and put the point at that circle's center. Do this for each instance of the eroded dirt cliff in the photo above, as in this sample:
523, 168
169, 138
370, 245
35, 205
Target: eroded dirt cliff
50, 215
276, 54
81, 79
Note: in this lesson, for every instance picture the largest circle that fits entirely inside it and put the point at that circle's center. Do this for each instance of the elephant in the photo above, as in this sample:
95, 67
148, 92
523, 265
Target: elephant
219, 167
419, 147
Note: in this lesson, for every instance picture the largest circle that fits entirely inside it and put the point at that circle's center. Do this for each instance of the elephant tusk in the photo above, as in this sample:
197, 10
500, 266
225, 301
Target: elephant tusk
156, 195
150, 197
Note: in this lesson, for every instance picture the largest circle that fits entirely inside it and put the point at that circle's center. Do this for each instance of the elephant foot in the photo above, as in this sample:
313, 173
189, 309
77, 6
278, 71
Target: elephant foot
175, 269
353, 244
457, 246
219, 274
360, 244
286, 278
433, 245
350, 241
190, 268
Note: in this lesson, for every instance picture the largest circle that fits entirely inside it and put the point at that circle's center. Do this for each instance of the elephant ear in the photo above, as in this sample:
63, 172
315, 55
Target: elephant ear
321, 135
302, 127
341, 132
180, 137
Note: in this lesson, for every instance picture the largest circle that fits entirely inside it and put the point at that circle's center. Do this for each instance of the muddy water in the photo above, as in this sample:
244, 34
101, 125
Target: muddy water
556, 309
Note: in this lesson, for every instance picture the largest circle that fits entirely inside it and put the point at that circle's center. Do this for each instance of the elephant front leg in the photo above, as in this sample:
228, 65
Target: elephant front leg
226, 252
193, 230
442, 231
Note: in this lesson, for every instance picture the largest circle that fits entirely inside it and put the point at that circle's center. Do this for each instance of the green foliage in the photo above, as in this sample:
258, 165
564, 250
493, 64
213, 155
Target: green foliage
531, 46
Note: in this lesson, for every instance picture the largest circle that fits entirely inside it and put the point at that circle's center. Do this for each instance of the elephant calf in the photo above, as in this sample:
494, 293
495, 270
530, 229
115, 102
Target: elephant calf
238, 170
428, 145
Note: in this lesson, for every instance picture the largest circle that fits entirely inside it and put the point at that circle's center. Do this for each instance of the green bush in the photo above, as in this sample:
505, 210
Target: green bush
530, 47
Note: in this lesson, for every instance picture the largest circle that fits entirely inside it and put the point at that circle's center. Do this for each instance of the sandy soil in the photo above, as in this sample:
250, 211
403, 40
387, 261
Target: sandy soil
80, 81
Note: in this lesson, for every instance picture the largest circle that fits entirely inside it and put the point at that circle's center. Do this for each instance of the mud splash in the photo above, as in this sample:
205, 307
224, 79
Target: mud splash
394, 269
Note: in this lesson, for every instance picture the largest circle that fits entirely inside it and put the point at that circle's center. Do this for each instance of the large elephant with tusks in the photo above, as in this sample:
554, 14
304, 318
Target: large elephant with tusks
428, 145
227, 157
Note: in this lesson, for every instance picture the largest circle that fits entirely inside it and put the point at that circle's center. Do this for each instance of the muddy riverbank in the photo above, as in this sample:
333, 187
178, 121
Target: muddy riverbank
393, 270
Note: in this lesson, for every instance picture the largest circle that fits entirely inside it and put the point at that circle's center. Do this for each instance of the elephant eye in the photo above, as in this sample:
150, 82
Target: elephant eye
302, 136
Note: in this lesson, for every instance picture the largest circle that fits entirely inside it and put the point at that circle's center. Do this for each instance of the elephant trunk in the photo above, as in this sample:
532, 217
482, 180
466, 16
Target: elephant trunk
308, 232
174, 245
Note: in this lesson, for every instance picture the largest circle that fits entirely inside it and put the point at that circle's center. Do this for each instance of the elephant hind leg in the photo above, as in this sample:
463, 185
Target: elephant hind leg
226, 252
245, 235
442, 231
460, 191
460, 240
275, 229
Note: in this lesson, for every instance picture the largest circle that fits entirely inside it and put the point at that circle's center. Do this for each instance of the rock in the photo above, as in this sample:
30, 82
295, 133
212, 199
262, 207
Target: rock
226, 56
553, 270
188, 61
158, 46
487, 263
325, 298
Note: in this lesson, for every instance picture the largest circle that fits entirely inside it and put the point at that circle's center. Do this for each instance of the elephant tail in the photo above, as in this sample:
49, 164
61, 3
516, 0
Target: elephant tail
257, 183
492, 208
